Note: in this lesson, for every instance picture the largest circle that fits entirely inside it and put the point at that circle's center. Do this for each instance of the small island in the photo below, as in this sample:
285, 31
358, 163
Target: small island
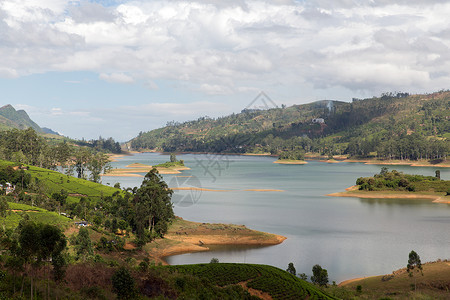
394, 184
294, 157
173, 166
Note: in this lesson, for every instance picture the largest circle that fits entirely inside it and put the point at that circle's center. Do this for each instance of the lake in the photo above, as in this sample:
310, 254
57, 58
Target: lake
350, 237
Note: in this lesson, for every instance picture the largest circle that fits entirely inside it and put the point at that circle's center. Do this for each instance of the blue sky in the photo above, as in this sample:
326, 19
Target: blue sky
115, 68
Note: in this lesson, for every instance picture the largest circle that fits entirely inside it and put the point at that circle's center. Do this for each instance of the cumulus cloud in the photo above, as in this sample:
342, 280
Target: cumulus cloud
213, 46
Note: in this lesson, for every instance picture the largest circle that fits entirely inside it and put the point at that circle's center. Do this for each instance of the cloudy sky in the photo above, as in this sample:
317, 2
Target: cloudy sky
118, 67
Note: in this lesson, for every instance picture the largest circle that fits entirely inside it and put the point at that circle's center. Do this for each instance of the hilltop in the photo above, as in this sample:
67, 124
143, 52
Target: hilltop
379, 127
11, 118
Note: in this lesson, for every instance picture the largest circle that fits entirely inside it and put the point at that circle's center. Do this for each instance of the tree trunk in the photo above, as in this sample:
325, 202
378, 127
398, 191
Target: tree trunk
21, 288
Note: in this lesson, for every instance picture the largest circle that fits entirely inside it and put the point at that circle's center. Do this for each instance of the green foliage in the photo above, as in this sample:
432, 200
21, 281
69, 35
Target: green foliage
320, 276
291, 269
83, 245
292, 155
153, 207
397, 181
278, 283
214, 260
390, 127
123, 284
414, 263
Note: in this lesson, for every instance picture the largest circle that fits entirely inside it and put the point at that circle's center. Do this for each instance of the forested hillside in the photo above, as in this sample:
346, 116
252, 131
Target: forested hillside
18, 119
393, 126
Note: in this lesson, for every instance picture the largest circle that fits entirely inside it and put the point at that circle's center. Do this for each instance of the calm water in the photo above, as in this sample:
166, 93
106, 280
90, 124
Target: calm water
350, 237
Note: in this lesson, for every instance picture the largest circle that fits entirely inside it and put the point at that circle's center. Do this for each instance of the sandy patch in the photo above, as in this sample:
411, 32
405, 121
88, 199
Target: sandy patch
197, 189
139, 165
290, 162
345, 282
77, 195
352, 188
115, 157
263, 190
120, 175
332, 161
253, 292
351, 192
129, 246
226, 239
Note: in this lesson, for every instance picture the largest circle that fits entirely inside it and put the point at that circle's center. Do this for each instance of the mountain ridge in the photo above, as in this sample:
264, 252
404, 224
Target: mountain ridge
328, 127
10, 118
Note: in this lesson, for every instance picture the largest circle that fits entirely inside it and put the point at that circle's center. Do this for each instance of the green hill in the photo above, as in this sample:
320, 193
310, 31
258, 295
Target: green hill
19, 119
378, 126
229, 278
11, 118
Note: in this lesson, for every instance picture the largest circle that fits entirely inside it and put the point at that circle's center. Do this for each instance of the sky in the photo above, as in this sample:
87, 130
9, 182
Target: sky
114, 68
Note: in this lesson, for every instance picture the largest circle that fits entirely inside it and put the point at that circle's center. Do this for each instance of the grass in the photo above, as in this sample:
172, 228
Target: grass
434, 284
170, 164
18, 211
277, 283
54, 182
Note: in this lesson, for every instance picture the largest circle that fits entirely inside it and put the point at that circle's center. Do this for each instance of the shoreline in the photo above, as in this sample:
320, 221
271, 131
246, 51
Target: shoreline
131, 170
336, 159
355, 193
190, 237
290, 162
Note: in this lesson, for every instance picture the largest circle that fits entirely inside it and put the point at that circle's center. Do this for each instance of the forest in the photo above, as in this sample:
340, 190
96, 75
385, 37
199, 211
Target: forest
392, 126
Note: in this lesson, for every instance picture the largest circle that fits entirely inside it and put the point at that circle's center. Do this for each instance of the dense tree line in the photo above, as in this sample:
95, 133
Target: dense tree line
101, 144
398, 181
27, 147
393, 126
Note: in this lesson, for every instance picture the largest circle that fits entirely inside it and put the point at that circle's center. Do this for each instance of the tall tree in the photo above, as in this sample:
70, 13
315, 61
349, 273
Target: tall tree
414, 265
153, 205
320, 276
291, 269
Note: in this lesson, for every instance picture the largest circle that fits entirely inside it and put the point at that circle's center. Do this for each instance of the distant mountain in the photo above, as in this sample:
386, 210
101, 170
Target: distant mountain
49, 131
382, 126
11, 118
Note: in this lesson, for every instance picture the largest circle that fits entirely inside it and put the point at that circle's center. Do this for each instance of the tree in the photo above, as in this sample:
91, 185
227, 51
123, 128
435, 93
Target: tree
414, 264
214, 260
438, 174
320, 276
3, 207
153, 206
123, 284
291, 269
173, 157
83, 244
97, 164
60, 198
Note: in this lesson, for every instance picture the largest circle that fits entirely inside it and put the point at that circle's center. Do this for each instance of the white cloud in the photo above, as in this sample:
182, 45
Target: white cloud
215, 47
116, 78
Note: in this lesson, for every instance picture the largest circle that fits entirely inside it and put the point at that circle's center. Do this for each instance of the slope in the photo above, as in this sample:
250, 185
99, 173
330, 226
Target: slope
325, 127
17, 119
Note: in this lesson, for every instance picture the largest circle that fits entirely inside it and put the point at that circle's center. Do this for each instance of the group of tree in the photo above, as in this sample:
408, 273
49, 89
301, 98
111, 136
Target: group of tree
101, 145
319, 277
30, 247
28, 147
393, 126
398, 181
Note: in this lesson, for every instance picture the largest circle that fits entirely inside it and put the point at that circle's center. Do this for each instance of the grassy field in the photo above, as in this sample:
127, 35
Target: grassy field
17, 212
434, 284
268, 280
54, 182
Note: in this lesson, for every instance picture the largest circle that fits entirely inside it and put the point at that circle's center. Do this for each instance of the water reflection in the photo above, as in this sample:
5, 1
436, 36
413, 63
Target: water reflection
397, 201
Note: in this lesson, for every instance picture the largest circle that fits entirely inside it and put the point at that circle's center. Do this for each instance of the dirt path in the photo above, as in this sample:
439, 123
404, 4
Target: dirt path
253, 292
